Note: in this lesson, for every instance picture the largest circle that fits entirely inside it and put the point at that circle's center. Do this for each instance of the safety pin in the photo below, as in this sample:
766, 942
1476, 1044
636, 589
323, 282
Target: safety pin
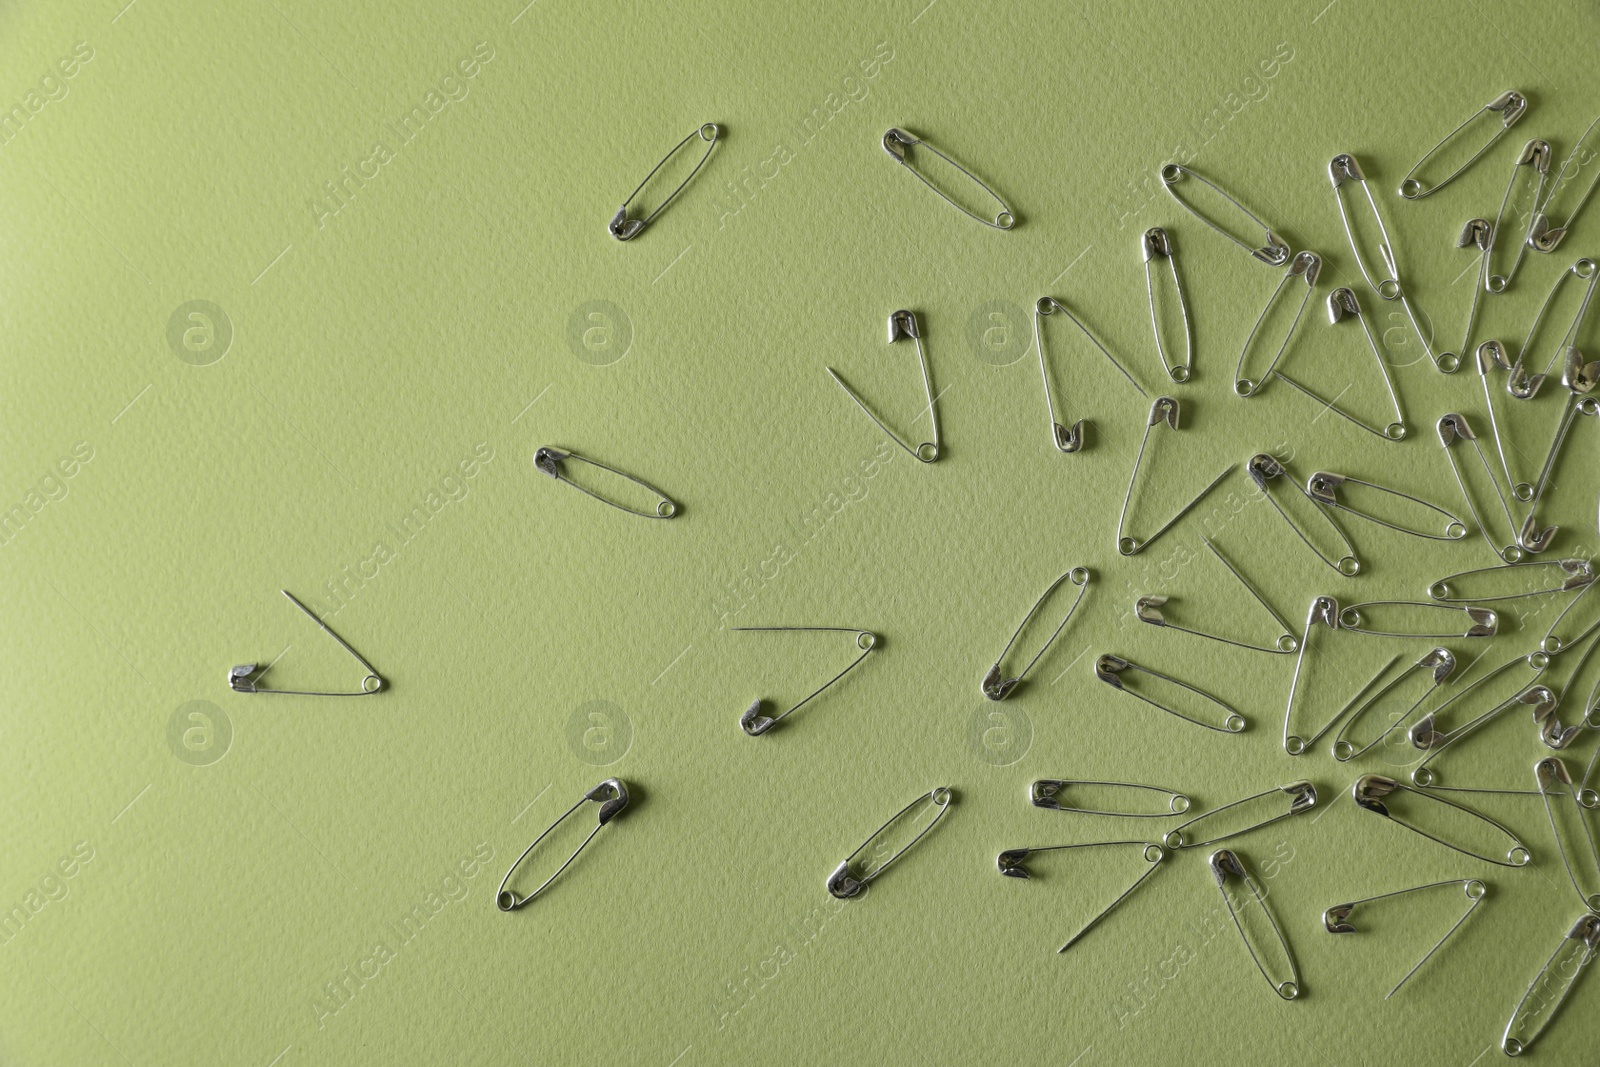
1274, 253
1481, 622
1580, 379
1264, 468
1337, 918
1324, 487
844, 885
898, 143
1302, 796
1520, 383
1427, 734
1046, 793
1305, 265
1324, 611
1579, 573
551, 461
1506, 108
626, 229
1479, 234
1155, 243
1342, 302
1067, 440
1148, 609
611, 795
903, 323
997, 687
1555, 980
1544, 235
1552, 734
1553, 642
1572, 833
1534, 161
1438, 662
1492, 354
1164, 410
1109, 669
753, 722
1539, 697
1370, 789
1588, 797
1011, 862
246, 678
1225, 864
1454, 427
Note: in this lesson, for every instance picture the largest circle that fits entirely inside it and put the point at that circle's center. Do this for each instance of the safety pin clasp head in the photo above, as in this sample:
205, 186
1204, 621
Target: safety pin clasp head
1344, 168
1069, 440
842, 885
1335, 918
1156, 243
1262, 468
1148, 608
1341, 302
1307, 265
1302, 796
548, 461
1511, 104
1477, 232
1485, 621
1010, 862
1441, 661
243, 678
1043, 793
897, 142
1453, 426
754, 722
1533, 539
997, 687
1109, 668
1578, 376
903, 323
622, 227
1492, 353
612, 796
1165, 409
1369, 790
1324, 487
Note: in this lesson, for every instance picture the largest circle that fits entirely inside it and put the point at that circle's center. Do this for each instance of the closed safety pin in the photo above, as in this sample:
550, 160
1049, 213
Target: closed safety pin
1011, 862
1337, 918
898, 143
1555, 980
1479, 234
1342, 302
1577, 574
1067, 440
1554, 640
1274, 252
1109, 669
1226, 865
1481, 622
1305, 266
753, 722
552, 461
1427, 733
1046, 793
1500, 114
626, 229
1523, 193
1324, 487
1438, 662
1491, 355
1156, 244
843, 885
246, 678
1580, 379
1571, 831
1262, 469
1370, 790
904, 324
1525, 386
1148, 608
1324, 611
611, 795
1302, 796
1454, 427
995, 685
1546, 233
1163, 411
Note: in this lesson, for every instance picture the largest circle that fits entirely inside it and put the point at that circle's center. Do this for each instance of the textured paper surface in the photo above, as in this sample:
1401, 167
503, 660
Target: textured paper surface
287, 880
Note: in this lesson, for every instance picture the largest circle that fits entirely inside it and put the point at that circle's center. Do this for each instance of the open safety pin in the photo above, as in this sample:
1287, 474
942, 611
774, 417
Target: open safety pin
1324, 611
1274, 252
1157, 245
1554, 982
843, 885
1337, 918
898, 143
1370, 791
611, 795
903, 323
1544, 234
246, 678
995, 685
753, 722
1324, 487
625, 229
1504, 110
1341, 303
1148, 609
1067, 440
1226, 865
552, 461
1305, 266
1262, 469
1163, 411
1010, 862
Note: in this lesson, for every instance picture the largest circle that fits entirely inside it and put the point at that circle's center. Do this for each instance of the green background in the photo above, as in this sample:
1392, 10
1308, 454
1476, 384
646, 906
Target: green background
536, 641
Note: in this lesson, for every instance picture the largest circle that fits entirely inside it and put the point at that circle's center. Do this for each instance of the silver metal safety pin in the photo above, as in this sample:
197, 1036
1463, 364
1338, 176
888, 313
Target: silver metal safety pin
1163, 411
1560, 636
754, 721
1157, 245
1010, 862
1478, 234
1274, 251
1046, 793
1555, 980
1499, 114
898, 143
1481, 622
1065, 439
1580, 379
1226, 866
1324, 611
246, 677
1491, 356
995, 685
1325, 488
1372, 792
1428, 734
625, 229
903, 323
1305, 266
1524, 385
1439, 663
1148, 609
1523, 193
1342, 304
1576, 574
553, 461
1571, 830
1110, 669
1262, 469
611, 795
1454, 427
1337, 918
1302, 796
1546, 232
843, 884
1540, 698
